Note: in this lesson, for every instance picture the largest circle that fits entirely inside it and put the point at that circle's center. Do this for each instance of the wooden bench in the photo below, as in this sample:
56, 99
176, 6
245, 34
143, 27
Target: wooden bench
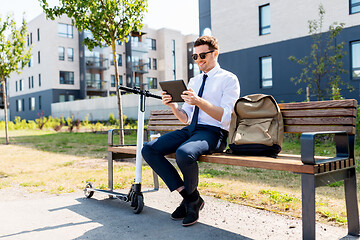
309, 119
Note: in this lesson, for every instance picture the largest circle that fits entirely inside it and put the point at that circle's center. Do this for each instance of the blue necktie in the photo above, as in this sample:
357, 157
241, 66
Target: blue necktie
196, 111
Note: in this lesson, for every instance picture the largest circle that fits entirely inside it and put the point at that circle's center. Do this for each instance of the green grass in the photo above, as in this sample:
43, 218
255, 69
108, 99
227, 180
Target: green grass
78, 158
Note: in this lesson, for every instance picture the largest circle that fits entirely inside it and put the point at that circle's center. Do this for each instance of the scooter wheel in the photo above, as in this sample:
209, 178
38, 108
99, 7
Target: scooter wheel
87, 192
139, 204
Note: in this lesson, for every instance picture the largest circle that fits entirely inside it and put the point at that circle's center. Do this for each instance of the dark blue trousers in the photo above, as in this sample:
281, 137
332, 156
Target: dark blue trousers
187, 146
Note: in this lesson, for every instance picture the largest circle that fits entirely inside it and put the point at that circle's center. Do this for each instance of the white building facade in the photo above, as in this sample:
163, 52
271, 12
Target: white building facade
63, 70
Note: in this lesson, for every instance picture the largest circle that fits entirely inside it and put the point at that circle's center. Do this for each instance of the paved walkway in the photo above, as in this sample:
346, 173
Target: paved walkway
72, 216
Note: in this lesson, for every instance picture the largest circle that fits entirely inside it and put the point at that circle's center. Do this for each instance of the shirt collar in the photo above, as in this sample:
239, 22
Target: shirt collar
212, 72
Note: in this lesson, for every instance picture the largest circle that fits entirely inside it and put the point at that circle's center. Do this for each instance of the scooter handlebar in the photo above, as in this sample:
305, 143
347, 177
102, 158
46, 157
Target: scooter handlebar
138, 91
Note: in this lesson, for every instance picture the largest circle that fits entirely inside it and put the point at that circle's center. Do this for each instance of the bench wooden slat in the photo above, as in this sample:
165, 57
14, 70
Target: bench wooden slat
318, 128
348, 112
163, 117
164, 128
166, 122
160, 112
317, 121
319, 104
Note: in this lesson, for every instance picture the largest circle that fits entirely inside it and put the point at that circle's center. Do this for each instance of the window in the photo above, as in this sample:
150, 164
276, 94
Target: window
61, 51
32, 104
71, 97
19, 104
65, 30
30, 38
152, 83
151, 43
39, 102
66, 77
264, 19
119, 60
70, 53
38, 34
111, 56
112, 82
149, 63
266, 72
31, 82
137, 81
38, 57
154, 64
173, 62
61, 98
354, 6
31, 62
21, 85
39, 80
16, 86
355, 60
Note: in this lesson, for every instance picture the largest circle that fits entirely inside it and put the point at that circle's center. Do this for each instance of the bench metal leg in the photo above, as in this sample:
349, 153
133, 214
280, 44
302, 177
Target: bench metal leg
110, 171
308, 206
352, 203
156, 181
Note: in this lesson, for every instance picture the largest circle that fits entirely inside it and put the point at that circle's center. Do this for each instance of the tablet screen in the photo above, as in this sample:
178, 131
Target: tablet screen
174, 88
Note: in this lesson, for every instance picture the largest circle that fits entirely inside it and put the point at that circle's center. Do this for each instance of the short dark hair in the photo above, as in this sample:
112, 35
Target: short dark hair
211, 41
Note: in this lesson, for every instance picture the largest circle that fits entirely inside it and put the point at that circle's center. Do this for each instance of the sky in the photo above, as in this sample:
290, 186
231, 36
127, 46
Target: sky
180, 15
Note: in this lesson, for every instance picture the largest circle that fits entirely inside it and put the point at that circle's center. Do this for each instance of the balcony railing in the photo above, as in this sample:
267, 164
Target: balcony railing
140, 67
97, 62
139, 47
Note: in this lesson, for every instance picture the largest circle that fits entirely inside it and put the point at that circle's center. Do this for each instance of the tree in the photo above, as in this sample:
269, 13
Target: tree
324, 65
14, 55
109, 21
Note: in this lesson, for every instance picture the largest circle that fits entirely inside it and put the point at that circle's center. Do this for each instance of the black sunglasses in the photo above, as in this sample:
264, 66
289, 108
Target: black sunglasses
202, 55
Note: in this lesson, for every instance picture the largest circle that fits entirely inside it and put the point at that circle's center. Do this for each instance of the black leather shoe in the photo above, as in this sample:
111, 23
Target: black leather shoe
192, 211
180, 212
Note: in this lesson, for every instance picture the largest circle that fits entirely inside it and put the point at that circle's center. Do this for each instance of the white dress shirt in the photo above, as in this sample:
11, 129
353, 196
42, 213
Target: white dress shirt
221, 89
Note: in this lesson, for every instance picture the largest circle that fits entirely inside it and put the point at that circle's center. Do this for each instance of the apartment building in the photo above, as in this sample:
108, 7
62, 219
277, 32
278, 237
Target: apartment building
62, 69
257, 37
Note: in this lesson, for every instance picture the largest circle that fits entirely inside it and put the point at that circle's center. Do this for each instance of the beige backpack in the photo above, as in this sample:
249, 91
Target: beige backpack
256, 127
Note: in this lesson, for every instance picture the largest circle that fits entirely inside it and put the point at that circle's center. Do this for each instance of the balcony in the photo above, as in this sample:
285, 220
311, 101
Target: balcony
139, 67
97, 63
139, 47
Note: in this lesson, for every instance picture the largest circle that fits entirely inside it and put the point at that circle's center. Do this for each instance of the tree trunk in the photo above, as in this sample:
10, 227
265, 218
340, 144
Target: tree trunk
118, 94
5, 111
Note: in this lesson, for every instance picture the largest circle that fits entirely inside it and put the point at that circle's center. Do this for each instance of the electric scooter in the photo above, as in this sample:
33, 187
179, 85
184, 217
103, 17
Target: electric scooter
135, 195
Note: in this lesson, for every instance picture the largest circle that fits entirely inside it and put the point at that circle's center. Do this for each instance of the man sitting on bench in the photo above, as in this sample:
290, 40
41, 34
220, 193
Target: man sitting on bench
209, 102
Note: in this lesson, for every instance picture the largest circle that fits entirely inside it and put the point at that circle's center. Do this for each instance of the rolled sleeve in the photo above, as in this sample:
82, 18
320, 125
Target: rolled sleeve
231, 93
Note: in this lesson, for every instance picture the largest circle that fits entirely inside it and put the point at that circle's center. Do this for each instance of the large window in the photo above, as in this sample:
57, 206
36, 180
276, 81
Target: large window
355, 60
266, 72
61, 51
65, 30
31, 82
70, 54
264, 19
113, 80
152, 83
32, 104
66, 77
151, 43
354, 6
19, 105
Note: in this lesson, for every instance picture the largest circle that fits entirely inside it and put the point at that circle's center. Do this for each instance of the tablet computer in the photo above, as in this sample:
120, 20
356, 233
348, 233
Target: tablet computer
174, 88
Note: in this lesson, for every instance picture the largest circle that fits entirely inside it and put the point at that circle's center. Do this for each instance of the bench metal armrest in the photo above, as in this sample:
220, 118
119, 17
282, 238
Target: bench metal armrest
112, 132
308, 147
